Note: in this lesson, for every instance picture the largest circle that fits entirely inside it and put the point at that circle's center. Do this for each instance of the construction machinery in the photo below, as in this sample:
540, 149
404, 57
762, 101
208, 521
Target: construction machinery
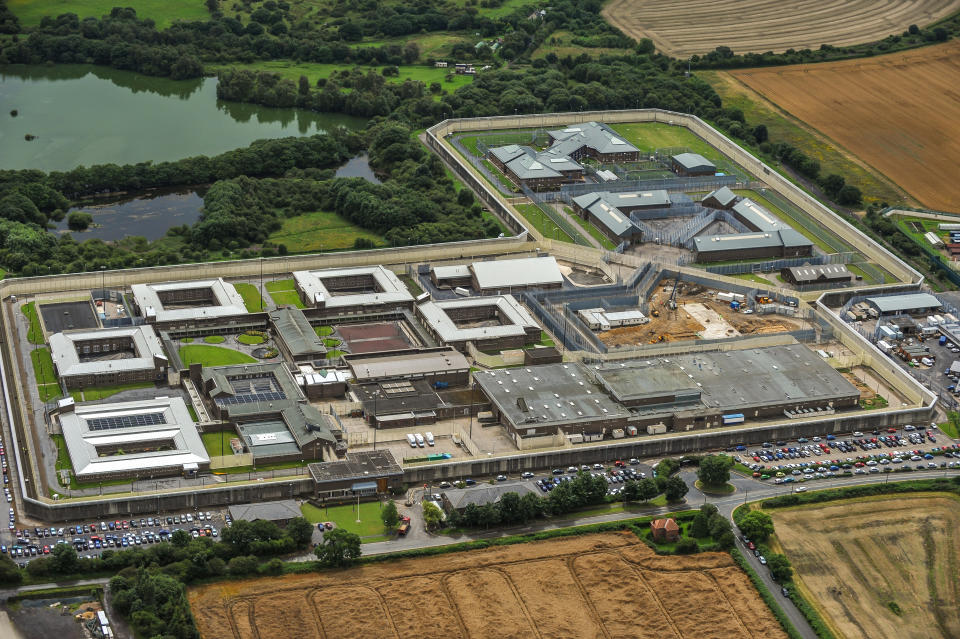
672, 302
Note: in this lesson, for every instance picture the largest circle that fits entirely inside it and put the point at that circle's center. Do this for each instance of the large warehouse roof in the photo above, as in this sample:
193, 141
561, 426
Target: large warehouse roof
96, 435
409, 364
387, 287
226, 300
66, 356
530, 271
593, 135
758, 217
292, 327
903, 303
743, 241
515, 319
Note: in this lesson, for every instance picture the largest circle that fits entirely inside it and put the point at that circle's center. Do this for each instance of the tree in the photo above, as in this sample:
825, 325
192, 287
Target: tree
714, 470
849, 195
79, 221
65, 559
832, 184
181, 537
667, 467
780, 568
718, 525
700, 526
300, 531
760, 133
243, 565
756, 525
687, 546
432, 516
339, 548
676, 489
9, 571
390, 516
647, 490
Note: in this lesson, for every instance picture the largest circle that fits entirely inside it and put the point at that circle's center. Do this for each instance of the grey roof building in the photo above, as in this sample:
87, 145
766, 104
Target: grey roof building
427, 363
590, 138
908, 303
459, 498
187, 301
530, 272
361, 473
816, 273
510, 152
279, 512
722, 198
349, 288
757, 218
296, 336
530, 167
86, 358
512, 319
145, 438
612, 210
692, 164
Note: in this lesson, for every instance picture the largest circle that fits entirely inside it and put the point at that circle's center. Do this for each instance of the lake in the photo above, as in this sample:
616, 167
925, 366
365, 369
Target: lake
86, 115
151, 214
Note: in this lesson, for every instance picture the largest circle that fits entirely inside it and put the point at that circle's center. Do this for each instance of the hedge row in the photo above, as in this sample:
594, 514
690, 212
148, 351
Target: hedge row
940, 484
810, 613
766, 595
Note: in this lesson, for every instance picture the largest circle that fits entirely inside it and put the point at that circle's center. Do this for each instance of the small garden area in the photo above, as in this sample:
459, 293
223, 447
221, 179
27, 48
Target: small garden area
213, 356
284, 293
214, 339
252, 338
35, 334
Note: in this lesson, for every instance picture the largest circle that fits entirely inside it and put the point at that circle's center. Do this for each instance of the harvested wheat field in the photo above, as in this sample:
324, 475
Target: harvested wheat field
681, 28
596, 586
866, 561
899, 113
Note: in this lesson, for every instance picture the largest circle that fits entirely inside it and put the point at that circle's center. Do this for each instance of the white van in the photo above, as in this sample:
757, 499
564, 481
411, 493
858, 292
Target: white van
429, 437
411, 440
419, 440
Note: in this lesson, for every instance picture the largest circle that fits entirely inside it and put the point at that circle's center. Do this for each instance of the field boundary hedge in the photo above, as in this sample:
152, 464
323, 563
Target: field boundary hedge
766, 595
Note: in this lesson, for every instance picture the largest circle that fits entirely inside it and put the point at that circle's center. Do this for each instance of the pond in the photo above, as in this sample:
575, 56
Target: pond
86, 115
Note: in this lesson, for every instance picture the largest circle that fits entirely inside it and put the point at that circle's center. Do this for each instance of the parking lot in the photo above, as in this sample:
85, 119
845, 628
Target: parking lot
917, 448
92, 538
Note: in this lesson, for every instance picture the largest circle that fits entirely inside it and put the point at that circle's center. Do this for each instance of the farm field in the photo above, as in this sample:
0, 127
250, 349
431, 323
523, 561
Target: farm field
878, 567
682, 29
894, 112
603, 585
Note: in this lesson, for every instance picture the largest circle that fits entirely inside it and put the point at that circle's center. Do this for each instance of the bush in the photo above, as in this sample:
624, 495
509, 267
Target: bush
687, 546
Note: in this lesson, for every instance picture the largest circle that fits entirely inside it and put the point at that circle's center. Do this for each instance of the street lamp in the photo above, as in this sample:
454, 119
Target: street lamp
103, 286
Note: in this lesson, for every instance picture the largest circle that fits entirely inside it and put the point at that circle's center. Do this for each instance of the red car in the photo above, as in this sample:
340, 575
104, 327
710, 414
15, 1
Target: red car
752, 546
404, 519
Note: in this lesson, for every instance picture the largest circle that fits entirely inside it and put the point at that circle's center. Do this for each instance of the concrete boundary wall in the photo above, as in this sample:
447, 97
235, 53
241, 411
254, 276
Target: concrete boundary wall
761, 171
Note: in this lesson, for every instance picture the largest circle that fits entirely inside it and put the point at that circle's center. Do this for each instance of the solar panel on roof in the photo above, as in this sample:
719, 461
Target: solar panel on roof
126, 421
251, 398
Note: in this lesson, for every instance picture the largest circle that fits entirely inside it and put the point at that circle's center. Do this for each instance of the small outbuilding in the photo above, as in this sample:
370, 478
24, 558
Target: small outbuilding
665, 530
692, 164
722, 198
279, 512
816, 274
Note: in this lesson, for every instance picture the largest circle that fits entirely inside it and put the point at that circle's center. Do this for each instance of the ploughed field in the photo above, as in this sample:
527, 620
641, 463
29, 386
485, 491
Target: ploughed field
604, 585
899, 113
681, 28
879, 568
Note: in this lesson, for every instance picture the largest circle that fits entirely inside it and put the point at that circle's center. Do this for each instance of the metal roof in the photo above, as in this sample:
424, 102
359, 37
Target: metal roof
292, 326
389, 287
526, 167
227, 301
361, 465
593, 135
515, 318
510, 152
282, 510
814, 272
741, 241
758, 217
457, 271
529, 271
693, 161
460, 498
146, 347
387, 365
906, 302
607, 207
724, 196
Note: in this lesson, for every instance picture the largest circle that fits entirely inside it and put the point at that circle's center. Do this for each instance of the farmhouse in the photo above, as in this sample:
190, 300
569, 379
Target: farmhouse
816, 274
444, 365
692, 164
610, 212
507, 276
146, 438
491, 323
295, 337
353, 290
108, 356
665, 530
186, 303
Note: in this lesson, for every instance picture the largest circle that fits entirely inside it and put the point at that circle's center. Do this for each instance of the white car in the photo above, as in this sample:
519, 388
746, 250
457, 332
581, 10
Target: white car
800, 489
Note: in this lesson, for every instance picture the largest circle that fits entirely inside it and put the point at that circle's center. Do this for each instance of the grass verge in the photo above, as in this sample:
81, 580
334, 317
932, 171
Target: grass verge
251, 297
766, 595
284, 292
102, 392
35, 334
591, 229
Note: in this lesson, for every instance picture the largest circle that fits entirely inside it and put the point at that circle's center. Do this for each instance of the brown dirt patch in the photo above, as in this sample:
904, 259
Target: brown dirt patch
605, 585
868, 553
866, 392
681, 29
893, 111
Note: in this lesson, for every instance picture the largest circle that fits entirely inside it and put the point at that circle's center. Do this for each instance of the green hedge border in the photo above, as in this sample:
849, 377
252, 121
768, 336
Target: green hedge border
768, 597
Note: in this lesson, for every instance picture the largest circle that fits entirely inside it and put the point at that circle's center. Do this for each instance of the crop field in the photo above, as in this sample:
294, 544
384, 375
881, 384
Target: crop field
878, 567
604, 585
894, 112
682, 29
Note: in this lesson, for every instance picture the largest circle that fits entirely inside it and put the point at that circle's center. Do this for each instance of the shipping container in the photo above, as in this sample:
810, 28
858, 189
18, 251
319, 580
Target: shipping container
632, 431
656, 429
576, 438
617, 433
732, 418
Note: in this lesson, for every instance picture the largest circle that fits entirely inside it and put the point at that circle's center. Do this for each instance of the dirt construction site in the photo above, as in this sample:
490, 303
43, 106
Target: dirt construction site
697, 316
878, 568
604, 585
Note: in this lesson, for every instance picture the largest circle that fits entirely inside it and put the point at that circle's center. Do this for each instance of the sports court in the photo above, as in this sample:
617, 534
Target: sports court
371, 338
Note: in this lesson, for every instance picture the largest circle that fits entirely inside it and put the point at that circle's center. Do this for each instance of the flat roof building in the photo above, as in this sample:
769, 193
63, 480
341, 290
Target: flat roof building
360, 473
352, 290
146, 438
739, 246
193, 301
108, 356
279, 512
505, 276
690, 164
909, 303
816, 274
433, 364
491, 323
451, 276
295, 336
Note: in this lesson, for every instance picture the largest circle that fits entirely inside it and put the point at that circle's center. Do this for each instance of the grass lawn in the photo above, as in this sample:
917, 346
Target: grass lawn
542, 223
950, 429
212, 442
284, 292
750, 277
559, 42
323, 331
782, 128
321, 231
345, 517
331, 342
710, 489
251, 340
591, 229
213, 356
333, 354
411, 285
34, 335
650, 136
251, 297
214, 339
163, 12
835, 246
63, 457
545, 339
94, 394
43, 366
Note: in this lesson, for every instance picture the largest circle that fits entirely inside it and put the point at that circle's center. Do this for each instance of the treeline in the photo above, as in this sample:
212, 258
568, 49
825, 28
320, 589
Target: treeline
155, 604
723, 57
8, 21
